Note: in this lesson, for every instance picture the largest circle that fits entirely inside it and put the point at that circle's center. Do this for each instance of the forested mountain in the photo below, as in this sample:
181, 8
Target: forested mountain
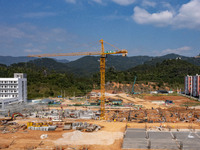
62, 60
88, 65
153, 61
169, 71
8, 60
44, 82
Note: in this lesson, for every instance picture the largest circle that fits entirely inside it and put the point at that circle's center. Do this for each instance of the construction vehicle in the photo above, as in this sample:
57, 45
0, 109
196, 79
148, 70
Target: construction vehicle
10, 118
103, 54
14, 115
133, 90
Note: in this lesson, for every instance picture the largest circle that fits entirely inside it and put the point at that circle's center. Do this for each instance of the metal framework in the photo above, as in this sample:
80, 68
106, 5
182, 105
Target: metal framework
102, 66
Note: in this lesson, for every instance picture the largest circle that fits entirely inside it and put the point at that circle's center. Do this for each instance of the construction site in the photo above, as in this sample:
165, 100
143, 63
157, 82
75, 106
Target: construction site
138, 123
102, 119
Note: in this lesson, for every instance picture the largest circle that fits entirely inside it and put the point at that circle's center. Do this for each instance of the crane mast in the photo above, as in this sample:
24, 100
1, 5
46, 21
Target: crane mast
102, 67
102, 72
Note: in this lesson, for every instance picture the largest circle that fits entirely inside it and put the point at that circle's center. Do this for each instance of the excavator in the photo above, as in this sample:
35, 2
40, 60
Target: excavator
10, 118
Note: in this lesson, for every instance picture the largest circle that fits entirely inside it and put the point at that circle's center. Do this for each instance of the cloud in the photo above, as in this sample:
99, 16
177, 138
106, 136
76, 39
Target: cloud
180, 50
116, 16
71, 1
39, 15
26, 38
148, 3
141, 16
188, 16
75, 1
32, 50
11, 32
166, 5
98, 1
124, 2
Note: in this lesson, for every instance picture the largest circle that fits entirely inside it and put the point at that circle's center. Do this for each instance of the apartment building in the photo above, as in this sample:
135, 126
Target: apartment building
188, 85
195, 85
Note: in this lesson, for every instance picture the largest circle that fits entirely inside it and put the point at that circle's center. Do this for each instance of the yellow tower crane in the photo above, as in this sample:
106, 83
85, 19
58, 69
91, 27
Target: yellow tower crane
102, 67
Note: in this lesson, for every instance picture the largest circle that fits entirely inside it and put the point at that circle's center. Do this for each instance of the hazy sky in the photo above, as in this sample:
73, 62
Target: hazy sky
143, 27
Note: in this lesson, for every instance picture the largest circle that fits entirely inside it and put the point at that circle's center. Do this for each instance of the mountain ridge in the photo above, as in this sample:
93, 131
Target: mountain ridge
87, 65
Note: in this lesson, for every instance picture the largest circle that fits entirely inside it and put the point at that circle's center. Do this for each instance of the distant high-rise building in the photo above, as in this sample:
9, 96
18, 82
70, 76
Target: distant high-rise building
195, 85
192, 85
188, 85
13, 90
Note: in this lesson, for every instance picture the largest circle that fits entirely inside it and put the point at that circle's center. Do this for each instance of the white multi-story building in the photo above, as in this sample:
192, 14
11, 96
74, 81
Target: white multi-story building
13, 90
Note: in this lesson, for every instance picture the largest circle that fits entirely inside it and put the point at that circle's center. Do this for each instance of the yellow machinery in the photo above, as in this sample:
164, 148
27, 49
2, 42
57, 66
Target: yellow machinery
39, 124
102, 66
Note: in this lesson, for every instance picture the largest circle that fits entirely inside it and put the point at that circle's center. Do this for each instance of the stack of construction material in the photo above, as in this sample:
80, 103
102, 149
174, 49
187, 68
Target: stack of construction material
81, 126
42, 126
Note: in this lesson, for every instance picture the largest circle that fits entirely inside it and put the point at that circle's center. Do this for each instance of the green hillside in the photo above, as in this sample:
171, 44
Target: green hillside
169, 71
45, 81
88, 65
